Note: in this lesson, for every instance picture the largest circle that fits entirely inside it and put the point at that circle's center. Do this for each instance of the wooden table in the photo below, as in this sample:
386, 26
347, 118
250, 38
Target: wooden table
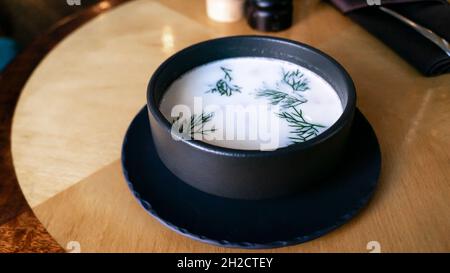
73, 111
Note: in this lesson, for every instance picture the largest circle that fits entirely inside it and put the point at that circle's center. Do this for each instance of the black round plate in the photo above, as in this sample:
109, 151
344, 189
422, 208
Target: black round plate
251, 223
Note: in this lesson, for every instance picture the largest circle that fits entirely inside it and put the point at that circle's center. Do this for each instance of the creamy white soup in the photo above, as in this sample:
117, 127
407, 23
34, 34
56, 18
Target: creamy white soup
251, 104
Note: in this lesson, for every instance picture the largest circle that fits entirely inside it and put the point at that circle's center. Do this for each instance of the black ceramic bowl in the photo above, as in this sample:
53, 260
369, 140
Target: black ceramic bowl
248, 174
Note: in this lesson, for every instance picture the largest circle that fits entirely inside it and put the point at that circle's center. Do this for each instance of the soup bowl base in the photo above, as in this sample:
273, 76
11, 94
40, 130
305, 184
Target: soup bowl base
252, 224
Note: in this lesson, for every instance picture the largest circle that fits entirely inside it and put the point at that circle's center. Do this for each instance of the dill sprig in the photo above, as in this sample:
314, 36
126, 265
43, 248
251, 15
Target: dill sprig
296, 80
227, 72
278, 97
195, 125
303, 130
224, 86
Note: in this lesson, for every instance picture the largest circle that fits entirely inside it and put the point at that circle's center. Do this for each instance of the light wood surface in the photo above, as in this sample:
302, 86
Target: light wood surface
74, 110
20, 230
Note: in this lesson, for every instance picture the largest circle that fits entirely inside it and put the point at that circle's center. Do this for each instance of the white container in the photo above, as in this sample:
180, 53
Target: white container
225, 10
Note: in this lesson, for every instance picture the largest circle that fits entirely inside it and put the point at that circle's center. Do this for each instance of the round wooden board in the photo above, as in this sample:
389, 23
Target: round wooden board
20, 230
73, 112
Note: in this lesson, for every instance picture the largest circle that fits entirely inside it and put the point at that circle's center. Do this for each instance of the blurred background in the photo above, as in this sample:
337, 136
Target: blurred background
22, 20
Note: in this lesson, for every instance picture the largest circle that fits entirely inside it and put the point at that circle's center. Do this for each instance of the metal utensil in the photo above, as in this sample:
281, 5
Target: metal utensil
430, 35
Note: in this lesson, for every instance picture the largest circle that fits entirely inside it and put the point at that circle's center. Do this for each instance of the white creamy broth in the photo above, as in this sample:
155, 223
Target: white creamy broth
251, 103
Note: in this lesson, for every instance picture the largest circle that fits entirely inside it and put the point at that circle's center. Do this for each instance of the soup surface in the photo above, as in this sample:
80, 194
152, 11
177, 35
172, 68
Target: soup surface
251, 104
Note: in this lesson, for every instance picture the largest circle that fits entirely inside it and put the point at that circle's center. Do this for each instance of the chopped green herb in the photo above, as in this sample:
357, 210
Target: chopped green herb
224, 86
195, 126
283, 99
296, 80
303, 130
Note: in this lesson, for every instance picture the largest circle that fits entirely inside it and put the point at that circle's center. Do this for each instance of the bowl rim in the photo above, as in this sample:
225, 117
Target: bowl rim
348, 111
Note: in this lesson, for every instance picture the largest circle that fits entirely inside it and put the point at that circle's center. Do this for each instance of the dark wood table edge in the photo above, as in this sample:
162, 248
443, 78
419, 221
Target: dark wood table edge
27, 234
